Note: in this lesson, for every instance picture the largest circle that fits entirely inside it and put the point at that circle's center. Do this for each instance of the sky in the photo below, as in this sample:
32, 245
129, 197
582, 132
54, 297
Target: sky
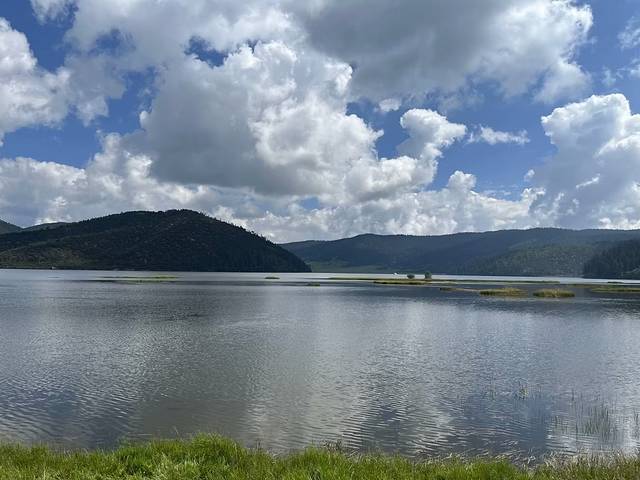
326, 118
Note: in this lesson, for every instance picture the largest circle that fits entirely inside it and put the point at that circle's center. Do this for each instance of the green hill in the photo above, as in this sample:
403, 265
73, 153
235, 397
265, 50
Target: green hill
621, 261
8, 228
176, 240
534, 252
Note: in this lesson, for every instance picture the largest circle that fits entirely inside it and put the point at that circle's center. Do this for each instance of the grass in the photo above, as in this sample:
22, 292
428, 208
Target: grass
615, 289
212, 457
554, 293
402, 281
503, 292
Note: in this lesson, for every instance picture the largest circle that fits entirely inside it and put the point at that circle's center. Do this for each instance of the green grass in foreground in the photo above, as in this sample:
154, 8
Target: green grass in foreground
211, 457
554, 293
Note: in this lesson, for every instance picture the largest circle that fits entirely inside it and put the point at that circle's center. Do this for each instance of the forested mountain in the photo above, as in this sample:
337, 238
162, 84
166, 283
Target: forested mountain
621, 261
44, 226
539, 251
174, 240
8, 228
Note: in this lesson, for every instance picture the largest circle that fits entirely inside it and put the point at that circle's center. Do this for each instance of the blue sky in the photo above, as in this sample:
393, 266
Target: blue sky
278, 163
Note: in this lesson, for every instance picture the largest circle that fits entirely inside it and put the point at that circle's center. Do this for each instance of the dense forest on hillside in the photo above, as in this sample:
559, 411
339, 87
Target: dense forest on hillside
172, 241
622, 261
539, 251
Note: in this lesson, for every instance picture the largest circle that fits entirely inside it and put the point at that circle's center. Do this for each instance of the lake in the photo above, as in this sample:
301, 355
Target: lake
89, 361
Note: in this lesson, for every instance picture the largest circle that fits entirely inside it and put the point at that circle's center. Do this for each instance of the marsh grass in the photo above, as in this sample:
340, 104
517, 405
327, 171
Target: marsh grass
615, 289
503, 292
554, 293
213, 457
401, 281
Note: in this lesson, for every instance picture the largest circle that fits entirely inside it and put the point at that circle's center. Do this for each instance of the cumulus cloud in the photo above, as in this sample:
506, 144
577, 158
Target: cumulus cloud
266, 129
29, 95
493, 137
422, 47
117, 180
114, 180
594, 178
457, 207
437, 46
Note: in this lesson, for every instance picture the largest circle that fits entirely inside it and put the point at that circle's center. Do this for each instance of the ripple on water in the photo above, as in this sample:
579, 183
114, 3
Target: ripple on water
401, 370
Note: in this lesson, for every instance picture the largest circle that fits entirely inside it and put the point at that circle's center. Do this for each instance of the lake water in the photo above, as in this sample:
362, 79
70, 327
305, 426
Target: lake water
86, 361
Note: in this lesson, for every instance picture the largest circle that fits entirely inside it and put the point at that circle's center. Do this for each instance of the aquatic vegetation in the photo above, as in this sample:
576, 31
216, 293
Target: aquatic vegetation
401, 281
615, 289
554, 293
271, 278
503, 292
209, 457
313, 284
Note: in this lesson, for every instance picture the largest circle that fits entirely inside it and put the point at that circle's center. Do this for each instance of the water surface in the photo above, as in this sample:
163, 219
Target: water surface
86, 361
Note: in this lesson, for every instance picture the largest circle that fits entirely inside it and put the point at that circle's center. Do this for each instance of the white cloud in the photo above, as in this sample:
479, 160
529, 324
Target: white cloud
609, 77
438, 46
253, 139
33, 191
390, 105
630, 36
49, 9
271, 119
594, 177
457, 207
29, 95
493, 137
383, 196
634, 69
564, 81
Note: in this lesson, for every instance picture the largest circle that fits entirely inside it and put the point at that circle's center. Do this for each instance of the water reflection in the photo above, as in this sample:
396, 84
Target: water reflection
283, 365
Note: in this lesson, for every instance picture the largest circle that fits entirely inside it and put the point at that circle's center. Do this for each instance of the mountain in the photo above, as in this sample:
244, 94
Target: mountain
176, 240
44, 226
8, 228
620, 261
534, 252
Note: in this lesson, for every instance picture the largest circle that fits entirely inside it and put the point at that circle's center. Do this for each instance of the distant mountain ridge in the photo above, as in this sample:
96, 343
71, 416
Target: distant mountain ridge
534, 252
176, 240
8, 228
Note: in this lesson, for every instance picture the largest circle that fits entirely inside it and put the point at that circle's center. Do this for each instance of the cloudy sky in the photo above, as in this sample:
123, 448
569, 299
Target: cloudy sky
324, 118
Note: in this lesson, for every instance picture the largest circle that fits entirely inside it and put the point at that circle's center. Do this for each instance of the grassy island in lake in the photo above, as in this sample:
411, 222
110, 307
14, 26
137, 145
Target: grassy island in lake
503, 292
554, 293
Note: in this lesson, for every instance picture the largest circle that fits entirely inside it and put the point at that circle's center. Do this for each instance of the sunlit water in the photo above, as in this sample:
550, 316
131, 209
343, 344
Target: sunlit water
277, 363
